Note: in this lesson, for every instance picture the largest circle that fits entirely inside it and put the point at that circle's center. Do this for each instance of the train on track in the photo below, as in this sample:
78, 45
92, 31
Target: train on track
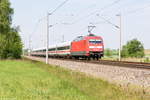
85, 47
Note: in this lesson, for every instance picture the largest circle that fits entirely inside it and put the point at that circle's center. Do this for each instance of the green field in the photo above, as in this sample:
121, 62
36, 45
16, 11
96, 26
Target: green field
30, 80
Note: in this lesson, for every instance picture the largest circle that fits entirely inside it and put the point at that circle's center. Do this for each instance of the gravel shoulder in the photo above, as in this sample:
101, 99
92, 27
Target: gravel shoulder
121, 75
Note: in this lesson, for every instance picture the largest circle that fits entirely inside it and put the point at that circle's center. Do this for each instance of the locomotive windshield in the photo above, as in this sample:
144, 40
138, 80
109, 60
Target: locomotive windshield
95, 41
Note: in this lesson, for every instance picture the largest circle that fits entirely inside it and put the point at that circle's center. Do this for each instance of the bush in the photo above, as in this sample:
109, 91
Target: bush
124, 52
10, 45
134, 48
146, 60
108, 53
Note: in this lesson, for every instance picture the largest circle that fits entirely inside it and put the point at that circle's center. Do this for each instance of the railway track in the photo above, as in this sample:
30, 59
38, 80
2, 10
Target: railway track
140, 65
124, 64
116, 63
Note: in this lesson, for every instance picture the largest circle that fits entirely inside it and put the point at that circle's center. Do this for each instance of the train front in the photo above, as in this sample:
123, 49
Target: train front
95, 46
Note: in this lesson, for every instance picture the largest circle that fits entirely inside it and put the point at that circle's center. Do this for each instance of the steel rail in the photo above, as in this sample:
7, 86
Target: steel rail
140, 65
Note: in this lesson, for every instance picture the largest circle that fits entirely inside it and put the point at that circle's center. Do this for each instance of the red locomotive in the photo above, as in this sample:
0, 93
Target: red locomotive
87, 47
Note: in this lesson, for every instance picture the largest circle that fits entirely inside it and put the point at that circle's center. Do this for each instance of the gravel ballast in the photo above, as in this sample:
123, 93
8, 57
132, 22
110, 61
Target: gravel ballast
113, 74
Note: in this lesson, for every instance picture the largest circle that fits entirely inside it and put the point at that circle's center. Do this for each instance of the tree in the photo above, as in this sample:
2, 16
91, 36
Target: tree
5, 16
10, 41
134, 48
124, 52
108, 52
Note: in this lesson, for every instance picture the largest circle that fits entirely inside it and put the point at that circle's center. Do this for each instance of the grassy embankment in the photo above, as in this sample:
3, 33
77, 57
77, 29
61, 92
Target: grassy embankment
28, 80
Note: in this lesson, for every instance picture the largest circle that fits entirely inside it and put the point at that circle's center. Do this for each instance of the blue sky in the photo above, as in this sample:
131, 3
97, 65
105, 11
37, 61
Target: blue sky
135, 20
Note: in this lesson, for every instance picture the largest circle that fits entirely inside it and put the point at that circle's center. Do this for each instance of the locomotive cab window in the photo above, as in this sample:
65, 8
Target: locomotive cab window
95, 41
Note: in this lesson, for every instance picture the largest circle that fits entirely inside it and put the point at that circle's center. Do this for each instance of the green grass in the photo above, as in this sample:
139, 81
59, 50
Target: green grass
30, 80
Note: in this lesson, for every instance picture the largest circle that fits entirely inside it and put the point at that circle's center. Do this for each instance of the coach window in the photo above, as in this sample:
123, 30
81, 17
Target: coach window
68, 47
53, 49
44, 50
64, 48
61, 48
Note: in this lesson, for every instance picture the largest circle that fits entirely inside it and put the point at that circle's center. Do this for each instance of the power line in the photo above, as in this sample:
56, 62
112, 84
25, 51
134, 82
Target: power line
63, 3
80, 30
108, 21
84, 28
96, 23
36, 26
137, 10
105, 7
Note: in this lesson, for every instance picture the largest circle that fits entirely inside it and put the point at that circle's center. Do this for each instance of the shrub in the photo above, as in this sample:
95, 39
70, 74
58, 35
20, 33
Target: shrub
133, 48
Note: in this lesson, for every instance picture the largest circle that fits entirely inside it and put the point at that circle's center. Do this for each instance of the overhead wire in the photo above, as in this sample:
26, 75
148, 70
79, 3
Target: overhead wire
137, 10
80, 30
36, 26
51, 13
92, 13
87, 16
34, 31
105, 7
108, 21
63, 3
129, 12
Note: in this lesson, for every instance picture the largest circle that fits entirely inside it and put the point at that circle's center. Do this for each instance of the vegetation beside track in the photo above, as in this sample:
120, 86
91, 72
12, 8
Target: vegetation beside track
31, 80
113, 55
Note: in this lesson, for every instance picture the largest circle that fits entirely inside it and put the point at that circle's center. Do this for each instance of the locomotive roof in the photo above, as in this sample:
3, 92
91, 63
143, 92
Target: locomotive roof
84, 37
91, 34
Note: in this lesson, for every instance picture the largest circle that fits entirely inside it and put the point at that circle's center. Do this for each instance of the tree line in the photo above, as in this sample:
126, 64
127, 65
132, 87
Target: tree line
10, 40
133, 48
